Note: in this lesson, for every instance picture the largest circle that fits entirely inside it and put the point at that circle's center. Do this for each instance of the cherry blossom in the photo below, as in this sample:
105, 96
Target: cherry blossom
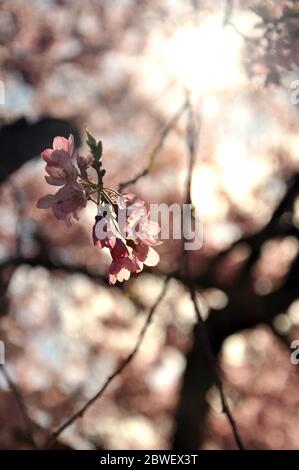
59, 163
130, 246
123, 224
66, 203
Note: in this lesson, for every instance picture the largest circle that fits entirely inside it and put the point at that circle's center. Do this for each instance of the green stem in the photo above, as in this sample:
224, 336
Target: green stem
90, 199
84, 178
113, 191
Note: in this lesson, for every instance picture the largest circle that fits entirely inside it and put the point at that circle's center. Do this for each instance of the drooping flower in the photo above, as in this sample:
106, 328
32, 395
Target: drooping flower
123, 223
139, 225
66, 203
122, 265
59, 162
60, 166
131, 243
146, 255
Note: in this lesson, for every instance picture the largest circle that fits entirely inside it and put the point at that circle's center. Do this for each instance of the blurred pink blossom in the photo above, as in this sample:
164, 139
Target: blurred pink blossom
66, 202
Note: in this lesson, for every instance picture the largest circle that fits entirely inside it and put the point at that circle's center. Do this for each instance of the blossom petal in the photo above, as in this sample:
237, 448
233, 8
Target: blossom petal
46, 202
112, 278
61, 143
152, 258
54, 181
46, 155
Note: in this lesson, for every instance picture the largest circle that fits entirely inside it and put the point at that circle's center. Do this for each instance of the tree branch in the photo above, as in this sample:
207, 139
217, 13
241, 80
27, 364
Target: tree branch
157, 147
21, 404
192, 140
118, 371
210, 356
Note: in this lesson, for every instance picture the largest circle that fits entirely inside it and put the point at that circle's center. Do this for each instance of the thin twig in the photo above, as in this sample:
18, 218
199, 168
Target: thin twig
118, 371
156, 148
211, 358
22, 406
12, 386
192, 140
228, 11
240, 33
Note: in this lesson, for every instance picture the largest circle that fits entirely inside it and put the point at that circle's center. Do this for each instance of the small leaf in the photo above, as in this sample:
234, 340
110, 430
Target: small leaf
96, 148
91, 141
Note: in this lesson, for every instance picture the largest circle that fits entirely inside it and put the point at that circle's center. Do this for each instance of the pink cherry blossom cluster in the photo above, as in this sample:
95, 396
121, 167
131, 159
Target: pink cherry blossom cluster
60, 166
126, 229
122, 224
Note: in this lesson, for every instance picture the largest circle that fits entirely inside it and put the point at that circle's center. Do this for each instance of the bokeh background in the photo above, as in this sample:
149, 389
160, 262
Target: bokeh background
121, 68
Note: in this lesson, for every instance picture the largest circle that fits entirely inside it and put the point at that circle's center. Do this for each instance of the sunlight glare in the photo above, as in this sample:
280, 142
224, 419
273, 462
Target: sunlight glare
206, 57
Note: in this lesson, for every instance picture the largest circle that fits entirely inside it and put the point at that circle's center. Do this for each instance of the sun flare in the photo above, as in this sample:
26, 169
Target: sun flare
206, 57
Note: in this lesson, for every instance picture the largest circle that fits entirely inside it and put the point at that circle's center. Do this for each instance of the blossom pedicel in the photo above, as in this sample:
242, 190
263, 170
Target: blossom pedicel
122, 223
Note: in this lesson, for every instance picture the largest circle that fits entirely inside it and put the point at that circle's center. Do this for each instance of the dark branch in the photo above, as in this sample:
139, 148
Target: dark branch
156, 148
118, 371
192, 140
210, 356
21, 404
